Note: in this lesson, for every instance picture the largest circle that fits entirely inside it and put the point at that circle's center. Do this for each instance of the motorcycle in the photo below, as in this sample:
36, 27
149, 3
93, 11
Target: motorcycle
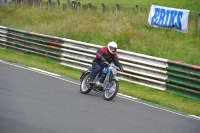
105, 81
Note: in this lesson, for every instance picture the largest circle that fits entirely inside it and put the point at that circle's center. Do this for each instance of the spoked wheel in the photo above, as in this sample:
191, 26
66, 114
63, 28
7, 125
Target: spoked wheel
84, 86
113, 87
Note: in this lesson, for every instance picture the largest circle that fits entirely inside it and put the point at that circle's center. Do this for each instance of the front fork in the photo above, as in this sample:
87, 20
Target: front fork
106, 81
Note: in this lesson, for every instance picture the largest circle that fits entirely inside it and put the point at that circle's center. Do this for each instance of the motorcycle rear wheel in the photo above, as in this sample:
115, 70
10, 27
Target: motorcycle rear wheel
113, 88
84, 86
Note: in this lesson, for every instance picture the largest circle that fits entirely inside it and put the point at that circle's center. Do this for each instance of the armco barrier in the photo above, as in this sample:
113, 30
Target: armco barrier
30, 42
183, 78
140, 69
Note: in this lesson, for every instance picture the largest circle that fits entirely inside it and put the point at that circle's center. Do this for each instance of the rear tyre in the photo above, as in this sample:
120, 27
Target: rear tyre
84, 86
113, 88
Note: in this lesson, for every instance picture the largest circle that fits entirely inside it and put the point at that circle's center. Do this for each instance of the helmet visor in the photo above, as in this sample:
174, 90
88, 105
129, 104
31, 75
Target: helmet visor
113, 49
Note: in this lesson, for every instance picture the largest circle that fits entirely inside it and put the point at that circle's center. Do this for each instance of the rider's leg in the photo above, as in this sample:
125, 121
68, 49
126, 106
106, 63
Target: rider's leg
96, 68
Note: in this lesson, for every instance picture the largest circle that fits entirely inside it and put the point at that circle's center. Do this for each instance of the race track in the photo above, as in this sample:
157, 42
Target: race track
31, 102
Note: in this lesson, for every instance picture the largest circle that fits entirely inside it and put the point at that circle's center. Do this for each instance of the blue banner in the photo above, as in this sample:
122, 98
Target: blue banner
169, 18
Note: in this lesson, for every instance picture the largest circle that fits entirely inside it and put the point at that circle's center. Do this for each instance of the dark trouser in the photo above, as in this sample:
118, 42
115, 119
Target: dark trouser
96, 68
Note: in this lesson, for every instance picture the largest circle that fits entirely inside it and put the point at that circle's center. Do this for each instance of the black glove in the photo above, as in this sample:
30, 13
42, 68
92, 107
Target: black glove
103, 59
121, 69
105, 63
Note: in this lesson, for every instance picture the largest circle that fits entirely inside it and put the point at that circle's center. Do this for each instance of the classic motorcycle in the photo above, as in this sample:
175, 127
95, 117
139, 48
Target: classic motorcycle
105, 82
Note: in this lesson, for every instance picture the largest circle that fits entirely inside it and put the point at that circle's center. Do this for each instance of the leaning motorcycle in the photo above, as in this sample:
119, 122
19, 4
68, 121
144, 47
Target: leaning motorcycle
105, 82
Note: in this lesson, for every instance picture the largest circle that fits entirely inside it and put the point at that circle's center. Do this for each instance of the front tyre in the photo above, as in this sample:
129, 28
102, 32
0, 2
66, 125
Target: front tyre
84, 86
112, 90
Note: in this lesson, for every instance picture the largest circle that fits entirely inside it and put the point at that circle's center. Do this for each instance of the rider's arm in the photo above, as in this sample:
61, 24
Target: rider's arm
99, 56
117, 63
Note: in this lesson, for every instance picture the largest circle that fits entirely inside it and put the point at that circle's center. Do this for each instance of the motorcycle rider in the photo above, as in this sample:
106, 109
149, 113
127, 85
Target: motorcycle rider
104, 56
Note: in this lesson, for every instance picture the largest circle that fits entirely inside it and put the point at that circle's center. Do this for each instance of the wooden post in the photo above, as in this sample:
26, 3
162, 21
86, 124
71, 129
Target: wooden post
136, 8
58, 4
89, 6
103, 8
78, 7
49, 4
68, 4
117, 9
40, 5
198, 25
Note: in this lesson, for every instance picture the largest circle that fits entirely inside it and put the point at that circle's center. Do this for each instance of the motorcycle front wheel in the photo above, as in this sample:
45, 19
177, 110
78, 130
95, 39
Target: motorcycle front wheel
112, 90
84, 86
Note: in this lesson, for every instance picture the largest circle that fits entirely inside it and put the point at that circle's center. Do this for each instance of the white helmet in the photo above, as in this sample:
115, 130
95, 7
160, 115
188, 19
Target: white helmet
112, 45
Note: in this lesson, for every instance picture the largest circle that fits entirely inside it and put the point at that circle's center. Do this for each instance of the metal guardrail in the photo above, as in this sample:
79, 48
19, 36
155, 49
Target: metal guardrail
138, 68
30, 42
183, 78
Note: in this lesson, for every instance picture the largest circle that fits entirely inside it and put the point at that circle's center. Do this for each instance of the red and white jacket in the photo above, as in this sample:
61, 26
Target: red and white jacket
103, 55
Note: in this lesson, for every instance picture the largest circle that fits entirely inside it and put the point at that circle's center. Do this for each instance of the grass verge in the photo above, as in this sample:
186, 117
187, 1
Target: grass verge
170, 100
130, 30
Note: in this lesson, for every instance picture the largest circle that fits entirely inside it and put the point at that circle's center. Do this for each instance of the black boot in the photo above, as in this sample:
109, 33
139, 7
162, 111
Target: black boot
91, 82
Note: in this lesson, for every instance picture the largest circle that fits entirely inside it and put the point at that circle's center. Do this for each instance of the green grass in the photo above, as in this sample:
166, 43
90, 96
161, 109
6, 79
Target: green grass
166, 99
131, 32
38, 62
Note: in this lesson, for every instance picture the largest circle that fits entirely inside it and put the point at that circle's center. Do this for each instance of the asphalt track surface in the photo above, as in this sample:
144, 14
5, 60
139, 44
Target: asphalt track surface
32, 102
